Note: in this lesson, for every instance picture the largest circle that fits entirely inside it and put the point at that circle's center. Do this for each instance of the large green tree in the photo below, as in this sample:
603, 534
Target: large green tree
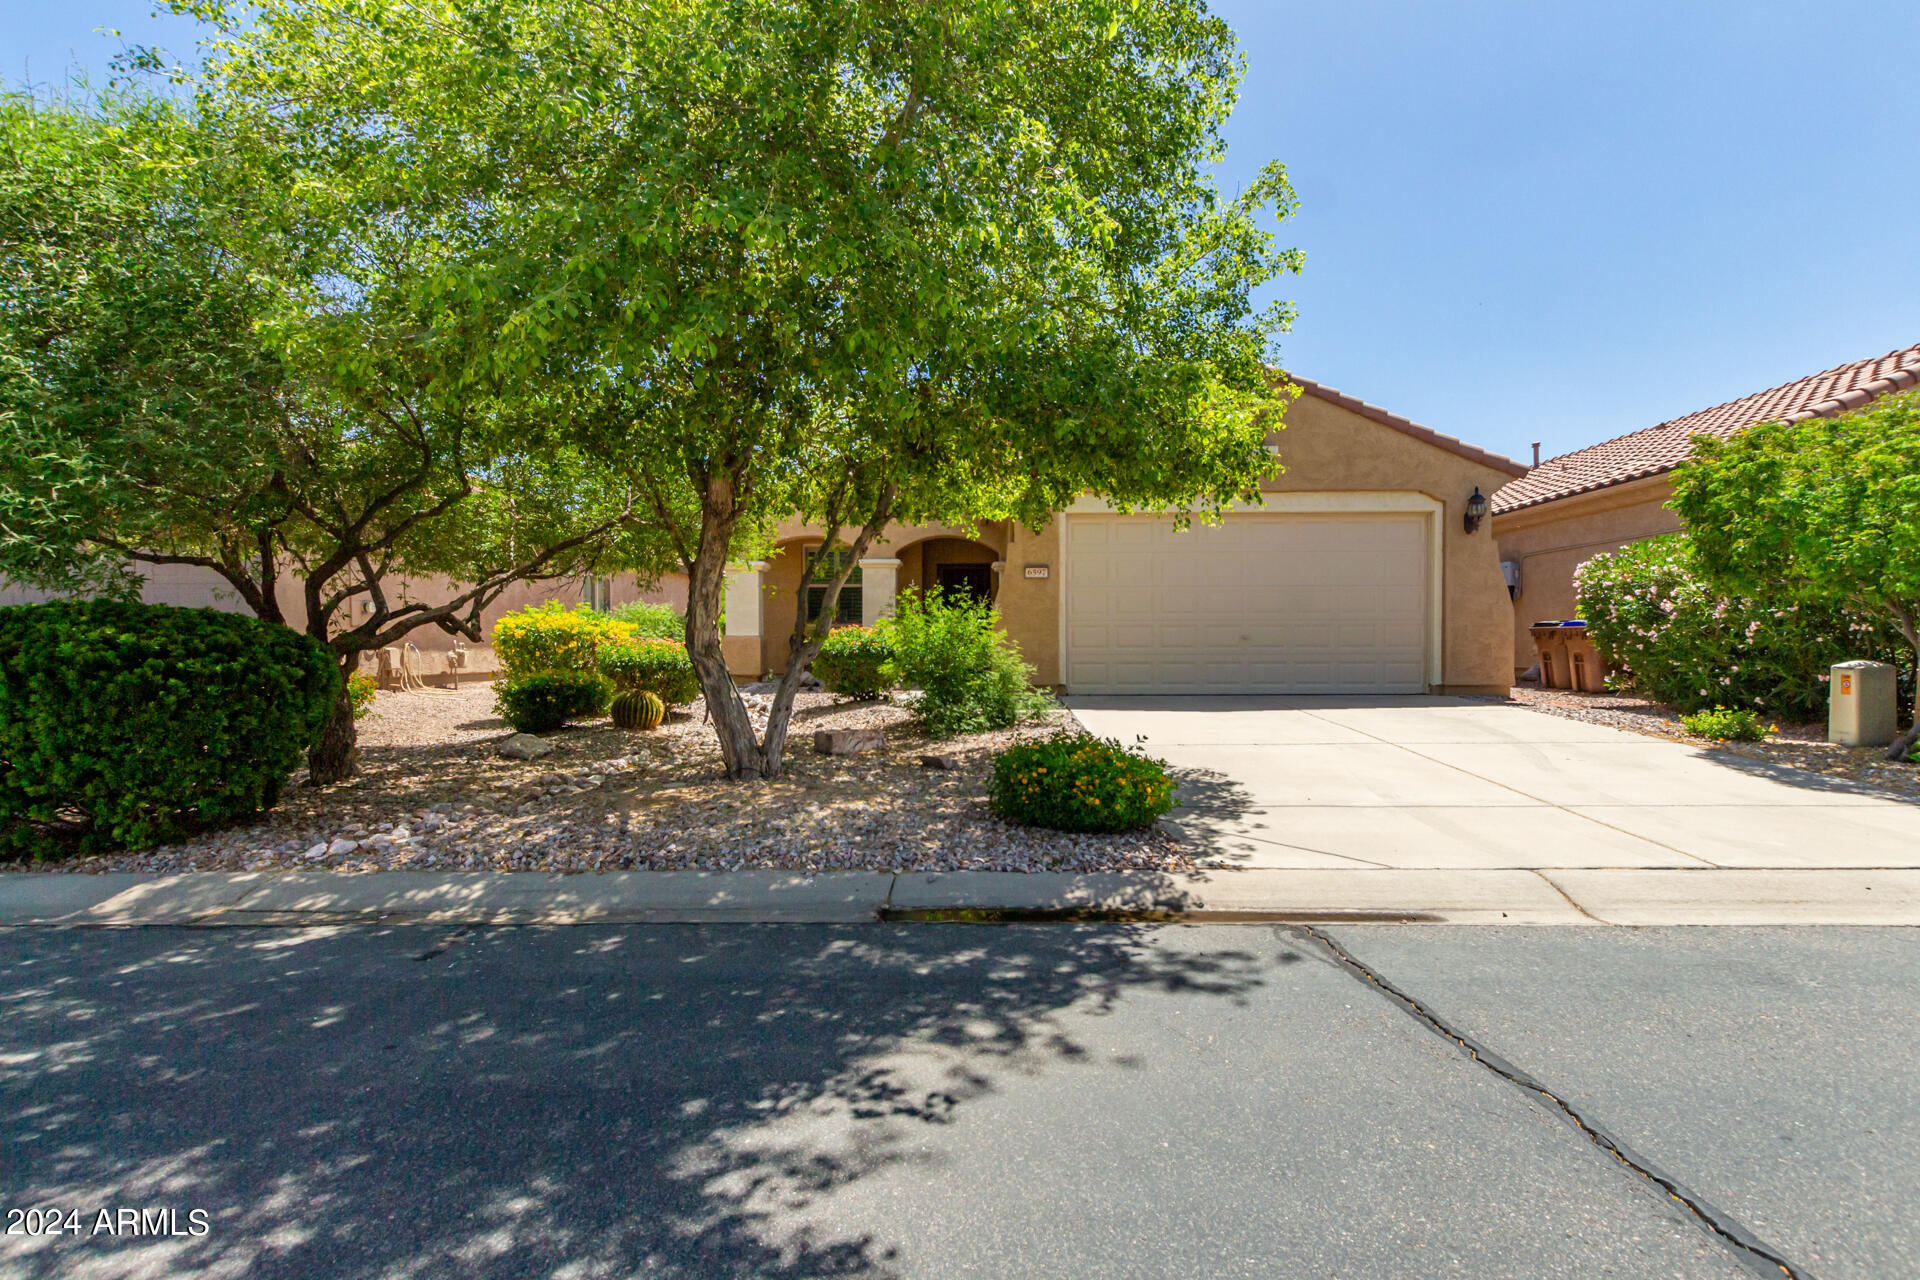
854, 260
1826, 509
209, 359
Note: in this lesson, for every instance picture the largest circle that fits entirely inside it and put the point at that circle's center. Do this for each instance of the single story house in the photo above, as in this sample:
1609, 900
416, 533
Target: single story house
1359, 574
1569, 509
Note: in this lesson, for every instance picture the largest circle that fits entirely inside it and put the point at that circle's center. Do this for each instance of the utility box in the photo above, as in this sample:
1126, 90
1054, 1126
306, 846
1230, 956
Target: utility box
1861, 702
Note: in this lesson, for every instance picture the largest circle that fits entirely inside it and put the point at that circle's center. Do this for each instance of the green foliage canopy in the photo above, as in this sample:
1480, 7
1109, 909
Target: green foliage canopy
1827, 509
844, 260
213, 356
1690, 641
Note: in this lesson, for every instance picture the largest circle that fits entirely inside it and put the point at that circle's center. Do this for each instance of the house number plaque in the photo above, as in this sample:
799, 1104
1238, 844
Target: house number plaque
1036, 571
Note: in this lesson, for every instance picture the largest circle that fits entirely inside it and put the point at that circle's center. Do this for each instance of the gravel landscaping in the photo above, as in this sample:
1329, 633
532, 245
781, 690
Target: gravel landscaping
434, 793
1795, 746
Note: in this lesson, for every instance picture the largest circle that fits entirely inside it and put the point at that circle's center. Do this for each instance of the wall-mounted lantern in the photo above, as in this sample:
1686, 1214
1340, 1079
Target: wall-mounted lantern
1476, 509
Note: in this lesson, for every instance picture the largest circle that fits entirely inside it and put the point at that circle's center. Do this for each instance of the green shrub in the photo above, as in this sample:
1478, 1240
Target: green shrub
546, 700
1726, 724
553, 637
1076, 782
652, 621
126, 724
970, 675
853, 661
660, 667
1686, 644
361, 689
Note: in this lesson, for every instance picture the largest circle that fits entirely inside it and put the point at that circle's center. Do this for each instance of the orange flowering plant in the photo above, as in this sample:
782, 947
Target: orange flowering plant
1077, 782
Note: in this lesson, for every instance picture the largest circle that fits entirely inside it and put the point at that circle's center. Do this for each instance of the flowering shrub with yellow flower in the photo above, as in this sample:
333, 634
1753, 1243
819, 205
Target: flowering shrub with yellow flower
552, 637
1077, 782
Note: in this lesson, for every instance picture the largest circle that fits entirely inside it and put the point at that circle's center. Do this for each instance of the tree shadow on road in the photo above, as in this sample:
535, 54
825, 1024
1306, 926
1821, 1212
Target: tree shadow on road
667, 1100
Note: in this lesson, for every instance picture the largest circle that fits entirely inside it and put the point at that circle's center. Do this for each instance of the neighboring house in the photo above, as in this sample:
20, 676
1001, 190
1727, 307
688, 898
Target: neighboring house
194, 587
1357, 576
1569, 509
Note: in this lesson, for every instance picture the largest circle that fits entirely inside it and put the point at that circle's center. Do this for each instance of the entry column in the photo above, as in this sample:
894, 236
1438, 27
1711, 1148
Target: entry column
742, 643
878, 579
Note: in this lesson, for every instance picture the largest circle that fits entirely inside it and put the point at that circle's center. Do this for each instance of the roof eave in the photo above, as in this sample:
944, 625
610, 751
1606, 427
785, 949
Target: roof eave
1387, 418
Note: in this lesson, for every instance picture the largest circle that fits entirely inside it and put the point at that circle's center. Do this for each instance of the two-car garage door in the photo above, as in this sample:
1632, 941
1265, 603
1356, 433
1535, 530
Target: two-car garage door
1260, 603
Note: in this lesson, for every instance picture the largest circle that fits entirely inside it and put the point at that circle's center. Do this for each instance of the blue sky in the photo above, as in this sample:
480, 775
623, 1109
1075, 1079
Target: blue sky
1527, 221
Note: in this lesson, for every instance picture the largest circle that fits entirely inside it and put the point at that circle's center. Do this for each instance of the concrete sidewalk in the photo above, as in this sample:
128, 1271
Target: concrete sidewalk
1585, 896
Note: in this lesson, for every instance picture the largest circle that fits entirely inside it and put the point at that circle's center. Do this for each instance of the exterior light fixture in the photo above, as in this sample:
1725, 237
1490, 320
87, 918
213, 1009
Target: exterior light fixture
1476, 509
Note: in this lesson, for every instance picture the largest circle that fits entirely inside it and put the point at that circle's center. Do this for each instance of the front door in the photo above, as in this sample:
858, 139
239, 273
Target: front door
975, 580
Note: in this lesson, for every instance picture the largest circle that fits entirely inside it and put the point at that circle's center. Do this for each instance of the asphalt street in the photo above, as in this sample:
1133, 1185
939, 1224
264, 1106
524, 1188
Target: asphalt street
959, 1100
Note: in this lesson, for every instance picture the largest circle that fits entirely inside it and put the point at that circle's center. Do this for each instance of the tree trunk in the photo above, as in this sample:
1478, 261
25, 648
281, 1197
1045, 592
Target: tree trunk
1903, 745
706, 596
334, 757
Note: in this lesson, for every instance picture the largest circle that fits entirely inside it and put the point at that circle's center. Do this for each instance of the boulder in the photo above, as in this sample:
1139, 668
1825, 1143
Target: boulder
940, 762
524, 746
844, 742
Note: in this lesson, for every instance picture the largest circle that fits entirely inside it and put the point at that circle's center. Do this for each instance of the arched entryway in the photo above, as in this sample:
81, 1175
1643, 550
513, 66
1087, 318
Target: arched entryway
951, 564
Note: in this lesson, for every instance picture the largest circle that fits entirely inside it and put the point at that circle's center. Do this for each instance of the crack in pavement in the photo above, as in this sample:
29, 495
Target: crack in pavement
1750, 1250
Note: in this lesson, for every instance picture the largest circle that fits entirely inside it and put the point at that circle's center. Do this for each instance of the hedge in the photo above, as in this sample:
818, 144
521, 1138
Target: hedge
545, 700
853, 662
653, 621
123, 725
660, 667
1682, 642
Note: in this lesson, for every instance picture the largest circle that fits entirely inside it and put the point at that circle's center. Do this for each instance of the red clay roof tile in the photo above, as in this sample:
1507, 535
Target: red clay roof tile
1653, 450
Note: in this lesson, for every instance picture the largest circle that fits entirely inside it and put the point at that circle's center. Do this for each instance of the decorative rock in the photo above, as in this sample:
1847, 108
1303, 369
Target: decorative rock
940, 762
524, 746
432, 822
844, 742
342, 847
316, 851
379, 840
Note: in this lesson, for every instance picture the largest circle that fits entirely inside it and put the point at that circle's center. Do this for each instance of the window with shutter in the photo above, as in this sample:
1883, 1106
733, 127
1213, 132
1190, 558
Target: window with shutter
847, 608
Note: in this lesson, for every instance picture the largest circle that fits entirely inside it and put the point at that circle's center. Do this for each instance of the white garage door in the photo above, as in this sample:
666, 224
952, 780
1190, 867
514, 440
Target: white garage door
1261, 603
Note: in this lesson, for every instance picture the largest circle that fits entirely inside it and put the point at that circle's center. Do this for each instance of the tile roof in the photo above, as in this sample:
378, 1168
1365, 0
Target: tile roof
1653, 450
1374, 413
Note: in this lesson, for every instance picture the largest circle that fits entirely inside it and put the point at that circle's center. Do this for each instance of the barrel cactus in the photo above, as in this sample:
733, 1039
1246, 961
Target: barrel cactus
638, 709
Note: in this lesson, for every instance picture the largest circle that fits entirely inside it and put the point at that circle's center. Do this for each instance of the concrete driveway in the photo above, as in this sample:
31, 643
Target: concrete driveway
1454, 783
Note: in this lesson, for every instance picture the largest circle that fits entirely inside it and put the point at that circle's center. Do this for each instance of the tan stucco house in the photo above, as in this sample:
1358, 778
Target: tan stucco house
1357, 575
1569, 509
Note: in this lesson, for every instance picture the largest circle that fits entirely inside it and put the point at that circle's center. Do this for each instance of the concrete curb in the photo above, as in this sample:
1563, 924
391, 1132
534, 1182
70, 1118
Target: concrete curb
1585, 896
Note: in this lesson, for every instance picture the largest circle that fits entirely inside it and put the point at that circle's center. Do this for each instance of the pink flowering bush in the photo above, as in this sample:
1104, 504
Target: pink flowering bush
1685, 643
